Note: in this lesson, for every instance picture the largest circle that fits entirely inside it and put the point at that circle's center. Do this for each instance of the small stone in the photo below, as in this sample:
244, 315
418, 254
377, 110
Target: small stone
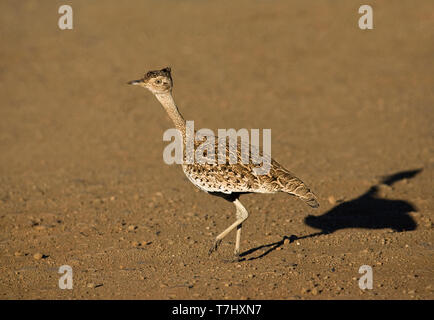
332, 200
91, 285
304, 290
314, 291
38, 256
18, 254
286, 241
415, 214
135, 244
132, 227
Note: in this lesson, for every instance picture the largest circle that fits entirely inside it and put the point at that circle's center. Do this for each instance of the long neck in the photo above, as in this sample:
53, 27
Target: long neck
169, 105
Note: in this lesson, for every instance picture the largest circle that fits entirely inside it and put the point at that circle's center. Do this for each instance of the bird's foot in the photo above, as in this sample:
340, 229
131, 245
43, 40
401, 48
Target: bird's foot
235, 258
215, 246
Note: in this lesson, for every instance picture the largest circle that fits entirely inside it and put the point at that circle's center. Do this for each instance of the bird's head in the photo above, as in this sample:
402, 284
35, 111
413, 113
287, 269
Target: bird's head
156, 81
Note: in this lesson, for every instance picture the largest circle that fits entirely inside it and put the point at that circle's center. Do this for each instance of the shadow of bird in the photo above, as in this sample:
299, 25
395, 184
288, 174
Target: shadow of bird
369, 211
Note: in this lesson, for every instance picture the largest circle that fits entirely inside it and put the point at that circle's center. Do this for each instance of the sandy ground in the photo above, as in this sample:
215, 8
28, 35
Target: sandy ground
83, 182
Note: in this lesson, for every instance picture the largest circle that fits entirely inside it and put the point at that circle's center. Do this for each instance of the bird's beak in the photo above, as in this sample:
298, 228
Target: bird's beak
135, 82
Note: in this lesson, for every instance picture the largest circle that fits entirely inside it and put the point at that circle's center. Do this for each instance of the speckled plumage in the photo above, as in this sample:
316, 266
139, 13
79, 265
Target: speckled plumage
240, 178
227, 180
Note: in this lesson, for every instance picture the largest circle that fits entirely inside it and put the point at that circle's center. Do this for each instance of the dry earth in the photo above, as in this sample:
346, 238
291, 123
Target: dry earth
83, 183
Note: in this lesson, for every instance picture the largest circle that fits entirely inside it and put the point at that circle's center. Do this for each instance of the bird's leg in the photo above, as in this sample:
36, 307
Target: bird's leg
242, 215
238, 240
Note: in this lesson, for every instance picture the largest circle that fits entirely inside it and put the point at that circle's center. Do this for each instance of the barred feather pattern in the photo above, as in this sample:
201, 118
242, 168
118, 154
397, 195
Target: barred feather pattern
240, 177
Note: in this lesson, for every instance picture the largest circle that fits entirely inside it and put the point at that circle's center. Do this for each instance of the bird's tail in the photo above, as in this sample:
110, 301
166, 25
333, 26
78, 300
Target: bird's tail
297, 188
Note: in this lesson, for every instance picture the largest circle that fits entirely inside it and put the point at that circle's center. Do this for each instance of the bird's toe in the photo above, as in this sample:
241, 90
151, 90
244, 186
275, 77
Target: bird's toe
215, 246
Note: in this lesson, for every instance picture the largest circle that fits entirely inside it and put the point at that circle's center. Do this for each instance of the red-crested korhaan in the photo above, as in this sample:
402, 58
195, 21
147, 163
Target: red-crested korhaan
226, 180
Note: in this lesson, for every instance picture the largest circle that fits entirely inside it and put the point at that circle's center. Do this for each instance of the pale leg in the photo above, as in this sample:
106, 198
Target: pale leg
238, 240
242, 215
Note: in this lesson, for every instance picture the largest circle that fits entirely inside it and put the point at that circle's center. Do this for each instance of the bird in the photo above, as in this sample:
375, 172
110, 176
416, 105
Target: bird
226, 180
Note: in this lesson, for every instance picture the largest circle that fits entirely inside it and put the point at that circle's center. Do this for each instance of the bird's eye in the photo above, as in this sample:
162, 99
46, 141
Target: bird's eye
158, 81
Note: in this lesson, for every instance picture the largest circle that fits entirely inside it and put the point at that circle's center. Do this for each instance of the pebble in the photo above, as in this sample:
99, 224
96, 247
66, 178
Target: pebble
38, 256
18, 254
91, 285
286, 241
332, 200
132, 227
314, 291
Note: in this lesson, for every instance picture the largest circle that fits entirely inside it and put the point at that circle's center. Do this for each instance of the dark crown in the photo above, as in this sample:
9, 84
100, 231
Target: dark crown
155, 73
